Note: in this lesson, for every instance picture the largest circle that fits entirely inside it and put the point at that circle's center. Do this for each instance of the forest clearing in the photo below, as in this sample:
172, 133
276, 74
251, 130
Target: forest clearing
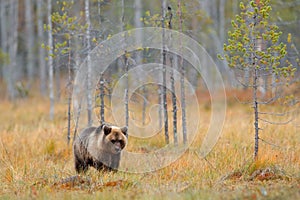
37, 163
160, 99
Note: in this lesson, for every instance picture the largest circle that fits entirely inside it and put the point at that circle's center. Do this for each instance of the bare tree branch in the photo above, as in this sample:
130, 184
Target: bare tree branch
275, 123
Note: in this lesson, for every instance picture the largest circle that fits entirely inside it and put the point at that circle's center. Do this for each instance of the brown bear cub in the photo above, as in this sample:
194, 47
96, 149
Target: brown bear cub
99, 147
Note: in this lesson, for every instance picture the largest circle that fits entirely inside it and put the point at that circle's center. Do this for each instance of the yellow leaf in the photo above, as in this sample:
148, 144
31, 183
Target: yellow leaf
289, 39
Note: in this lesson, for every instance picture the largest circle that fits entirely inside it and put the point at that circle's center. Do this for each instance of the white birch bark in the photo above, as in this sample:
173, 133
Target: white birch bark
126, 98
12, 47
50, 59
164, 89
182, 86
29, 41
89, 67
42, 54
4, 37
222, 21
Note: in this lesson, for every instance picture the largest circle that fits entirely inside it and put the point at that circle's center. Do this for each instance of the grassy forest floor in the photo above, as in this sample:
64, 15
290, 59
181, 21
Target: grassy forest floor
37, 163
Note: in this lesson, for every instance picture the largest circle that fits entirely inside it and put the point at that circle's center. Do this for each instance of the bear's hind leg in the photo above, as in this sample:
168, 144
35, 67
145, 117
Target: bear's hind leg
80, 166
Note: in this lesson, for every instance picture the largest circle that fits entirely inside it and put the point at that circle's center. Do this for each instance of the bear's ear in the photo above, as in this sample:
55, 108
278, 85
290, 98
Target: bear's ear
99, 128
106, 129
124, 130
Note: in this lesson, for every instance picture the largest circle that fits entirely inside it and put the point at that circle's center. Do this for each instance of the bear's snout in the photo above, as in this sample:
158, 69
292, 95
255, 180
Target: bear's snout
117, 146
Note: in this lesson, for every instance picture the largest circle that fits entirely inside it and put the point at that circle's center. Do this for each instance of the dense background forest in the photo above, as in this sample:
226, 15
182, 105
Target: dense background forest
23, 33
245, 95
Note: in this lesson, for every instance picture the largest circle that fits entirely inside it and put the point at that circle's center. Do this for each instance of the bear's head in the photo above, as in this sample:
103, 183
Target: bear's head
114, 138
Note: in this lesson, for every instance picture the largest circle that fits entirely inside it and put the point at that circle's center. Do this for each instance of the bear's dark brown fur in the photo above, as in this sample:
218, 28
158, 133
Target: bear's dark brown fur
99, 147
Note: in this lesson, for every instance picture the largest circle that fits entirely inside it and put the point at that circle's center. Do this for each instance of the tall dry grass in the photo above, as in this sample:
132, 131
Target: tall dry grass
36, 161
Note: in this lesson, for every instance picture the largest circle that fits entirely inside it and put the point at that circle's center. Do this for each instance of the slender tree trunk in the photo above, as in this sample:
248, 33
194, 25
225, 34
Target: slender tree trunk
170, 14
139, 54
29, 41
246, 78
57, 78
274, 84
183, 104
173, 100
160, 109
12, 46
50, 60
222, 20
138, 24
4, 40
109, 89
165, 104
254, 88
255, 107
69, 92
265, 84
99, 12
122, 15
89, 67
102, 99
126, 100
164, 92
234, 7
213, 9
76, 67
79, 103
145, 95
182, 86
42, 64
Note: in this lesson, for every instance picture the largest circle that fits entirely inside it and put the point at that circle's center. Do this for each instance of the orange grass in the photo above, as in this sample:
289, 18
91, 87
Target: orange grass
35, 159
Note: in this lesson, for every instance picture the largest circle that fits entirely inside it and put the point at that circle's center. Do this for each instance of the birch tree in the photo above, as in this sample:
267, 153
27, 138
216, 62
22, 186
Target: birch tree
172, 63
89, 66
139, 54
138, 24
102, 94
182, 86
42, 54
29, 40
101, 81
11, 46
164, 72
4, 43
50, 59
222, 20
126, 67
